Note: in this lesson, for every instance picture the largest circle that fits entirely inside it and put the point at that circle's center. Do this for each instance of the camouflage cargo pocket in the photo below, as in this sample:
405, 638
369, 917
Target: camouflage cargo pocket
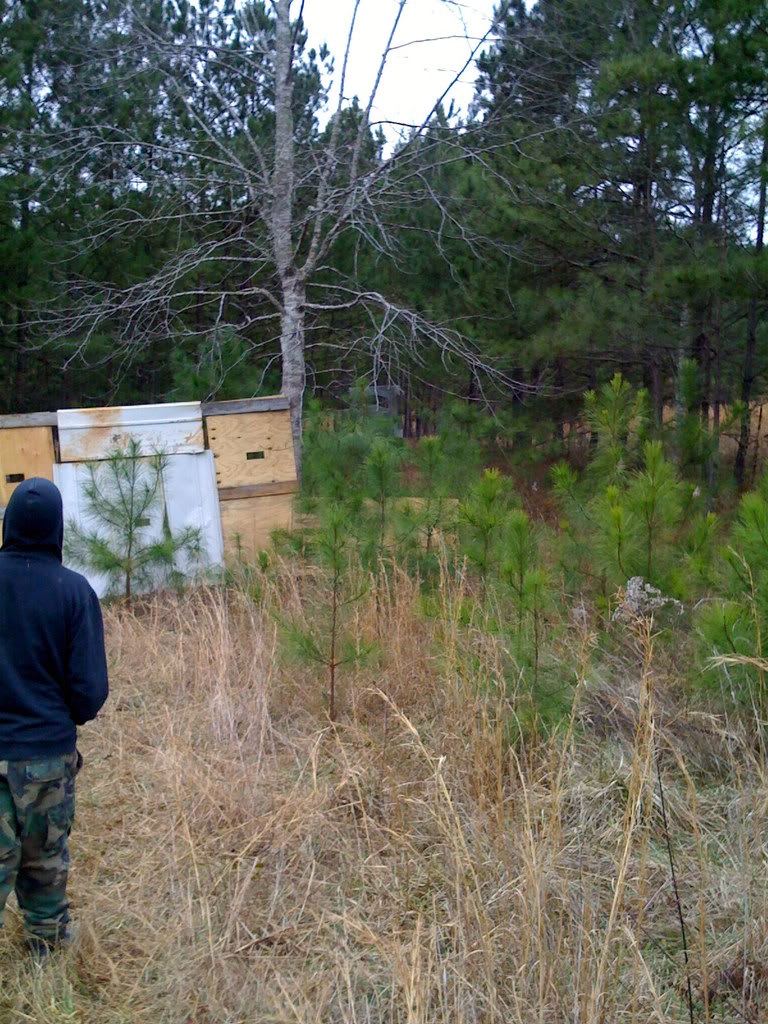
8, 827
45, 788
50, 769
60, 820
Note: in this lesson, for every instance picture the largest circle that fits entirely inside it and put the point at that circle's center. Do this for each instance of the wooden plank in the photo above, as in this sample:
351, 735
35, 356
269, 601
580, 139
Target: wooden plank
24, 452
30, 419
258, 490
252, 448
274, 403
175, 428
247, 524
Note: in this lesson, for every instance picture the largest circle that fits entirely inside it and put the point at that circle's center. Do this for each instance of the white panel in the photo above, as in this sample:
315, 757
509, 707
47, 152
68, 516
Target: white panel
190, 499
70, 479
89, 434
193, 501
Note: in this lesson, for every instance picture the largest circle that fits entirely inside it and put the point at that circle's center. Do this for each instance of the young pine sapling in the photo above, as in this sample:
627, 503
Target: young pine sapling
653, 497
124, 498
420, 521
483, 514
324, 640
527, 580
381, 477
519, 560
618, 423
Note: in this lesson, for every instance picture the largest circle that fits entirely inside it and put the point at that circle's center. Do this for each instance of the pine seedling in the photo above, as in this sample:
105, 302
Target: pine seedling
750, 531
460, 444
654, 498
381, 478
732, 629
699, 559
564, 482
483, 514
430, 514
334, 449
619, 423
122, 496
430, 459
536, 594
615, 535
745, 610
574, 522
325, 641
694, 443
519, 560
526, 578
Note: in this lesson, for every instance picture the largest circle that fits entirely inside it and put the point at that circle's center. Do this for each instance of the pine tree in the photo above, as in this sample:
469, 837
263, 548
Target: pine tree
432, 512
123, 495
323, 638
653, 497
617, 418
381, 477
483, 515
520, 550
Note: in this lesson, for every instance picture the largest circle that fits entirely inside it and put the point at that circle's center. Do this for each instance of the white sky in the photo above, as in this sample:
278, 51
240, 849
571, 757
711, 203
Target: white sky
435, 38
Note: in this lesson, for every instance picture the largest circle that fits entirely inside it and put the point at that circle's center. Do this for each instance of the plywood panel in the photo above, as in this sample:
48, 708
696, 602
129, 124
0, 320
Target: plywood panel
24, 452
175, 428
252, 448
248, 523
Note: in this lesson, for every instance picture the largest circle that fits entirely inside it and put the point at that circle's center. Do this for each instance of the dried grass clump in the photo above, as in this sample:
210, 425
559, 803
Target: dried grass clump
239, 858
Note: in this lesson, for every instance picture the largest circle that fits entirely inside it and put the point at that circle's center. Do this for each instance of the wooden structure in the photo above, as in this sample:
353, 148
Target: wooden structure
252, 446
26, 449
250, 441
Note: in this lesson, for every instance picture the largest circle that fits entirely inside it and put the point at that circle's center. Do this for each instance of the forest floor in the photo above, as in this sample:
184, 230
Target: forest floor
239, 858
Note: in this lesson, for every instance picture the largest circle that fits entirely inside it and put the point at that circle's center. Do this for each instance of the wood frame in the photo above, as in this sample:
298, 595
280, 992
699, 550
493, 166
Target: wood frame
28, 419
275, 403
258, 490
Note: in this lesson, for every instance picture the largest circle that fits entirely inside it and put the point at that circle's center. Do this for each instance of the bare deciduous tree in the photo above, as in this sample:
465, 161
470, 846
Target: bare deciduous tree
255, 186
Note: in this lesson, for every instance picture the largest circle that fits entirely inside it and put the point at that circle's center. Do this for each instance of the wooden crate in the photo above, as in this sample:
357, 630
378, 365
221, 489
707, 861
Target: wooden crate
252, 448
247, 523
24, 452
255, 470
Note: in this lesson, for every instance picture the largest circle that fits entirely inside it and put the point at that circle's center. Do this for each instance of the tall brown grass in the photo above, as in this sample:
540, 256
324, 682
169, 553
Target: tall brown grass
239, 858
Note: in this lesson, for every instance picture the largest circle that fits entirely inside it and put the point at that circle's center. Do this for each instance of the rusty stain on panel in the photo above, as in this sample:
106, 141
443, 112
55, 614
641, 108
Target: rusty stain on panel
91, 434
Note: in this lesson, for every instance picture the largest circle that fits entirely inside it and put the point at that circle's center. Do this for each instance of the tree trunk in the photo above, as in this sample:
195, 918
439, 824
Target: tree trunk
714, 455
709, 185
292, 349
657, 391
679, 398
748, 373
703, 357
293, 287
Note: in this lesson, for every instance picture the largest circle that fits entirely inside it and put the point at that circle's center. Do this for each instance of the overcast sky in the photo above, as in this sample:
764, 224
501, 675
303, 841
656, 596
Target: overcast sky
434, 40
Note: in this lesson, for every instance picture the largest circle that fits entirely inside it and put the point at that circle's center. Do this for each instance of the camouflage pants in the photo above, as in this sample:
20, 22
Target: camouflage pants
37, 810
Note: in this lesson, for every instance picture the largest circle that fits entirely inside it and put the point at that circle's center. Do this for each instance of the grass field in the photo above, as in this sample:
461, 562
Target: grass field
239, 858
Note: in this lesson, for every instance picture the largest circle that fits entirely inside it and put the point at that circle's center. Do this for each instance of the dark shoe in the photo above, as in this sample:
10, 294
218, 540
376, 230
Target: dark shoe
41, 948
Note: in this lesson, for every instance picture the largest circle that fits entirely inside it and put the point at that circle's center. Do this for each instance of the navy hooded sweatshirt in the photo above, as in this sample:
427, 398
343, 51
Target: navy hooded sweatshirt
53, 668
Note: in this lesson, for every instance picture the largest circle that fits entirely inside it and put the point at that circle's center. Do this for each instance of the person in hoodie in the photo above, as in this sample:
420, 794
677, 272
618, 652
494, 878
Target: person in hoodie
53, 678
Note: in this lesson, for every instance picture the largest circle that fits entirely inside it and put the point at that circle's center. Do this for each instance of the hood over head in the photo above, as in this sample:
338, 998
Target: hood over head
34, 519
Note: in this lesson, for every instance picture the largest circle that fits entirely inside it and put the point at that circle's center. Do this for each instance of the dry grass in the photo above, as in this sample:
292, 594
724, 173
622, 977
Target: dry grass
237, 858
